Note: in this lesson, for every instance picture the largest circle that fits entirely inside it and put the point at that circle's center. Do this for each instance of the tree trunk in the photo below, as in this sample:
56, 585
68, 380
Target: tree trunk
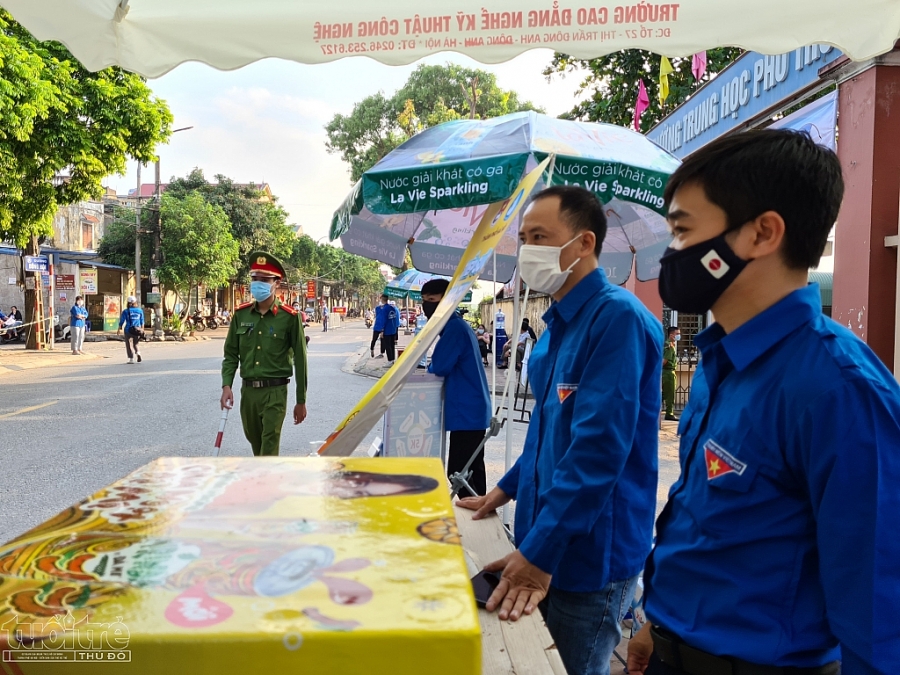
31, 295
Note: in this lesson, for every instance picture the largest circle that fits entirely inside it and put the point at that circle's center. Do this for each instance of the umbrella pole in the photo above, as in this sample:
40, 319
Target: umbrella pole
507, 460
494, 343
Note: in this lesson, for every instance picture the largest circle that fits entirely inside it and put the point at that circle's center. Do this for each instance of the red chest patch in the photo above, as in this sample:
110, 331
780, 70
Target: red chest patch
720, 462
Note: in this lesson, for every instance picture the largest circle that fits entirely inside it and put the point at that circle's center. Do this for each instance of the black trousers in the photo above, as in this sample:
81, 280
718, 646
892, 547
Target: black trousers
129, 341
375, 335
462, 446
389, 342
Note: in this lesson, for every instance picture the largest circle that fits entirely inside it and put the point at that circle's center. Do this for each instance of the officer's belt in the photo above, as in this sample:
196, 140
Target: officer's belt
674, 652
262, 384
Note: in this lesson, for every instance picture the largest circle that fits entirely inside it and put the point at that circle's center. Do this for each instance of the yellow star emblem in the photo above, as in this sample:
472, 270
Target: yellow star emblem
714, 467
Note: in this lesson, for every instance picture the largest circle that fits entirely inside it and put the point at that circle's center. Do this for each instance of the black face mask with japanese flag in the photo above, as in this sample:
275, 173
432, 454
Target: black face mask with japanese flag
692, 279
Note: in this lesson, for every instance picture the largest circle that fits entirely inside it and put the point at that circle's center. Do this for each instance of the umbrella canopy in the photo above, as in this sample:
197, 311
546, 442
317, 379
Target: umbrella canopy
151, 37
409, 285
432, 191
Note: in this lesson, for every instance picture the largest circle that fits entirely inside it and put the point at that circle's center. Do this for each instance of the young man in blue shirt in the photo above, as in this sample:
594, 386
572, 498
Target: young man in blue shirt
391, 317
133, 320
777, 551
467, 403
378, 327
585, 484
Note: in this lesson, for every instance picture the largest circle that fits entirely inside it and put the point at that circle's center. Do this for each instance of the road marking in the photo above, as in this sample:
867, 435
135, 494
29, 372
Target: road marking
26, 410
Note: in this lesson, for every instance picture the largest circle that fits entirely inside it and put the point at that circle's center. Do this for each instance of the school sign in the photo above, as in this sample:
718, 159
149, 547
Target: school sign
754, 85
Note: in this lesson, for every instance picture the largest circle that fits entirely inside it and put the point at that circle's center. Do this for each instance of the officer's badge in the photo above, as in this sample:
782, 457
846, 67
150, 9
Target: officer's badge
564, 391
720, 462
261, 260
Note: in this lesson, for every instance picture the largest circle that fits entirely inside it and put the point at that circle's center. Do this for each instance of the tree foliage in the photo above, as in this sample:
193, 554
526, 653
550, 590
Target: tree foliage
432, 95
197, 245
254, 224
55, 118
345, 271
611, 83
117, 245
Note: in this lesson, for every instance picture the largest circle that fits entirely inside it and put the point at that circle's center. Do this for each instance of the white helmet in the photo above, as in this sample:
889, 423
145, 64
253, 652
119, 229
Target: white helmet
132, 300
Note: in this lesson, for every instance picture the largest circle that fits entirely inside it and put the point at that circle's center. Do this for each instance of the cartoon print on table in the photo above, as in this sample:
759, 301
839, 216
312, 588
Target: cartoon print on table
443, 530
260, 488
416, 444
201, 569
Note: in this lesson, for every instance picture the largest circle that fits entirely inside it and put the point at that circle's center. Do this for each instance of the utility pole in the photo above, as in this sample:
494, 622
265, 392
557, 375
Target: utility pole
157, 243
137, 238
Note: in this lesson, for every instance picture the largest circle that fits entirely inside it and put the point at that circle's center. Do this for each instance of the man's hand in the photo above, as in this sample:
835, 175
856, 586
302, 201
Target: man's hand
299, 413
522, 586
484, 506
118, 331
640, 647
227, 400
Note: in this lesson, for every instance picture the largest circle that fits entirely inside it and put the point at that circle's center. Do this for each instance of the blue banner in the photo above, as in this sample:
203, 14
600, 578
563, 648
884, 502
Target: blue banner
818, 119
746, 89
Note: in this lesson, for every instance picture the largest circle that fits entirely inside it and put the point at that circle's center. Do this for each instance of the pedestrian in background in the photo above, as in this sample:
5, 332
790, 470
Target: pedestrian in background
77, 324
467, 402
777, 551
390, 331
378, 327
132, 319
670, 361
585, 484
266, 340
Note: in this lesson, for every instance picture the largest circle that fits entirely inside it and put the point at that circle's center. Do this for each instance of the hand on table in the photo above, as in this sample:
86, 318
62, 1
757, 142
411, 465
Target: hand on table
522, 586
484, 506
640, 647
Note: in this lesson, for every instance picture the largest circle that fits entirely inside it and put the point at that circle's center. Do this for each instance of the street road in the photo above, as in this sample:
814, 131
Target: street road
68, 431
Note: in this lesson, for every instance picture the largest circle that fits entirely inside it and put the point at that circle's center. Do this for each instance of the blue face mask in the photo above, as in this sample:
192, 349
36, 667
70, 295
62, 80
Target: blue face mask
260, 290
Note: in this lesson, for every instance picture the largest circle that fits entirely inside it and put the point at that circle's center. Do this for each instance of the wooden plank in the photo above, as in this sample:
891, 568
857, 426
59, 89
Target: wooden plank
523, 647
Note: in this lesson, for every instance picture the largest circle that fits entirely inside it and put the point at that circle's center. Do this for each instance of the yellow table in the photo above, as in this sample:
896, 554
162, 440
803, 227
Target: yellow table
257, 565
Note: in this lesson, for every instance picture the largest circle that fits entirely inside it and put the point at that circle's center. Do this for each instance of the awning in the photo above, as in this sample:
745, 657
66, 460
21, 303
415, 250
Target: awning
826, 283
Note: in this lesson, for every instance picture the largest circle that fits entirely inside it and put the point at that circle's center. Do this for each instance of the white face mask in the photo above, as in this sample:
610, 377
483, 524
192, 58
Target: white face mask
540, 269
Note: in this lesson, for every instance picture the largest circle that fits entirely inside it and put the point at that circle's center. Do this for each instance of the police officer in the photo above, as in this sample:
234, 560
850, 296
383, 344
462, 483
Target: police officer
670, 361
265, 338
777, 551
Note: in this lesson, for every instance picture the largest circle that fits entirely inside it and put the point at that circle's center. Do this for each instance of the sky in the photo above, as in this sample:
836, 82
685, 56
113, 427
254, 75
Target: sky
265, 122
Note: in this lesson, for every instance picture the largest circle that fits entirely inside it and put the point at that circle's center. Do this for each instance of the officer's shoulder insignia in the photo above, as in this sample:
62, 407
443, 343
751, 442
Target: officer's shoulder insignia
289, 309
720, 462
245, 305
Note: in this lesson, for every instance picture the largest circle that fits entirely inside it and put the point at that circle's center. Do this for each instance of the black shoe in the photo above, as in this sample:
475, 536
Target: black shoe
670, 418
139, 358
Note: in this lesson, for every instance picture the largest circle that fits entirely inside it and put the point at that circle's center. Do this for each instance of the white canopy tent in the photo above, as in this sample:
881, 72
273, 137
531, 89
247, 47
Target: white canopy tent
151, 37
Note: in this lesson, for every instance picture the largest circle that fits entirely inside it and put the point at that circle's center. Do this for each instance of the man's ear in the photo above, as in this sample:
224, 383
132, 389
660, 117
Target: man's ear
762, 236
588, 243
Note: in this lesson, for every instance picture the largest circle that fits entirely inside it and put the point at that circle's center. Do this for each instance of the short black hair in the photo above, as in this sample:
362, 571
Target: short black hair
580, 208
778, 170
435, 287
78, 297
672, 329
384, 296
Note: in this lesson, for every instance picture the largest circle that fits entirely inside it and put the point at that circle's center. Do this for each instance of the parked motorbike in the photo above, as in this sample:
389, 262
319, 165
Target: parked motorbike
212, 322
195, 323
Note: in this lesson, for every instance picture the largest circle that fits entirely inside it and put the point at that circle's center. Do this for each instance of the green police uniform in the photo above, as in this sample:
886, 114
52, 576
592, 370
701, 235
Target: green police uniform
267, 347
670, 358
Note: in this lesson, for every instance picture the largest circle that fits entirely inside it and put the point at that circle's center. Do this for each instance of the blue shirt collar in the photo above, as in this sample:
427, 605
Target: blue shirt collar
754, 338
592, 285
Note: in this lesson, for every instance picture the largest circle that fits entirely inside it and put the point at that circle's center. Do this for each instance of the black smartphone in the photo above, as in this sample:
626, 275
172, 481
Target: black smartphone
483, 584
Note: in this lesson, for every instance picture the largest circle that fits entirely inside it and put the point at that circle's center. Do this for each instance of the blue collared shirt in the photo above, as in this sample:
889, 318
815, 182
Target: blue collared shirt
378, 325
780, 543
467, 403
585, 485
391, 317
78, 316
